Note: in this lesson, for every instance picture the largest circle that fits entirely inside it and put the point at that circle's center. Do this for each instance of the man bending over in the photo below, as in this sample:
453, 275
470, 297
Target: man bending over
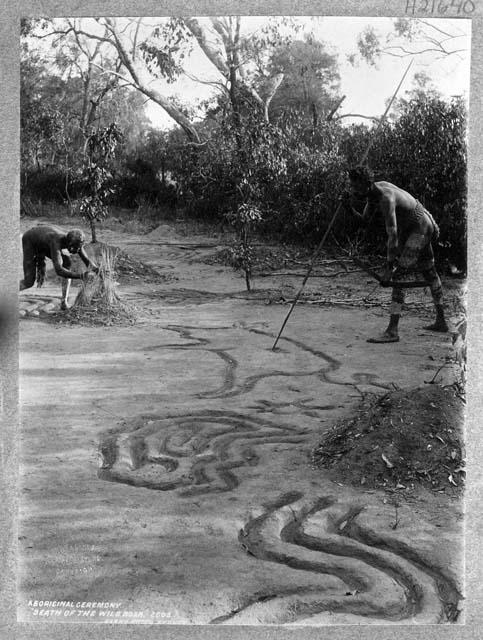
46, 241
410, 231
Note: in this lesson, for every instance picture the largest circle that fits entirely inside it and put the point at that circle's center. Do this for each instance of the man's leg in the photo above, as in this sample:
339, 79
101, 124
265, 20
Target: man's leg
391, 334
409, 255
66, 263
29, 267
432, 278
426, 265
65, 293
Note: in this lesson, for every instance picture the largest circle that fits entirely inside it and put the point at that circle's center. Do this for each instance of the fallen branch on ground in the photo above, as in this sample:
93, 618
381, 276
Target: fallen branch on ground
356, 302
313, 275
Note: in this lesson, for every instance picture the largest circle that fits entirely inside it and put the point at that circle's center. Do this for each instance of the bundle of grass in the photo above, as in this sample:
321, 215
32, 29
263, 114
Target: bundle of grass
98, 302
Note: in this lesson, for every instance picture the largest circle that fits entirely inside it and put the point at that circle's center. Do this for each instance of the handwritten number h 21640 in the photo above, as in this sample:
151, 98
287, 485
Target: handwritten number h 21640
440, 7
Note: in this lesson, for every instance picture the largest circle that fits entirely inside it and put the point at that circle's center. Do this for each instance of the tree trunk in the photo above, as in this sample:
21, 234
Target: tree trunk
315, 117
234, 97
85, 99
95, 102
235, 106
203, 40
247, 279
245, 240
92, 223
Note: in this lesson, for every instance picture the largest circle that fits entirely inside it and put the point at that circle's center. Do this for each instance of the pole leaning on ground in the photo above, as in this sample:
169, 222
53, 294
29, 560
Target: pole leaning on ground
339, 206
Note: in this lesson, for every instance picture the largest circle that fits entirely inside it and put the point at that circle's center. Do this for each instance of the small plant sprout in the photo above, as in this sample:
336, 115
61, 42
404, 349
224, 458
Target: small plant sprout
245, 219
100, 149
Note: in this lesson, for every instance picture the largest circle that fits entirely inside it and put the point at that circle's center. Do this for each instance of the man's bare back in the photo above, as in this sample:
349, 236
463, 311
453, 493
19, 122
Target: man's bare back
400, 208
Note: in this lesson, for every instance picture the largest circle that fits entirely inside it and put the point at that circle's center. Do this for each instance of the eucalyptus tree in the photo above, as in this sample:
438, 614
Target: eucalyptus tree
413, 37
147, 53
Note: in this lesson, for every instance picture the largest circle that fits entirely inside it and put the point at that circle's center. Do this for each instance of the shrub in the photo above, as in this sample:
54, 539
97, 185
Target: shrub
424, 152
296, 176
47, 185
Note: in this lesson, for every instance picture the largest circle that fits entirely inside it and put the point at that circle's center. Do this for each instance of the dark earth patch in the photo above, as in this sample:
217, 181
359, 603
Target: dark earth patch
128, 268
402, 440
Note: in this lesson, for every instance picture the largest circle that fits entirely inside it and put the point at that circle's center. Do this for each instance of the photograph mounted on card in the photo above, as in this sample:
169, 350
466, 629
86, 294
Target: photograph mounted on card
243, 318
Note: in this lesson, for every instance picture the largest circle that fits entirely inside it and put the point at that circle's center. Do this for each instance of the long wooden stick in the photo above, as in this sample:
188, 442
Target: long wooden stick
331, 223
381, 121
402, 284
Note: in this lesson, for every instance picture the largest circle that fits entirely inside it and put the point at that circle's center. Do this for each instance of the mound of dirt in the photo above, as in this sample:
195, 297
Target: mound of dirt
400, 441
161, 232
265, 257
129, 267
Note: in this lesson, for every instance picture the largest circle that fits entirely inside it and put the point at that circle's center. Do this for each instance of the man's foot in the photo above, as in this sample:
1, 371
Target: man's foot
441, 327
384, 337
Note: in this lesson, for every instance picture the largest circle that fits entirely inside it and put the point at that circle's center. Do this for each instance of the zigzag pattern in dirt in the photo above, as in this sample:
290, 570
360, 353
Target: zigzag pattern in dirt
231, 388
383, 584
333, 364
196, 452
216, 442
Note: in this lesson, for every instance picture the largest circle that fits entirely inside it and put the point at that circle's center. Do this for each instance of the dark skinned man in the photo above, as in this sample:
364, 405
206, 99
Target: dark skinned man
46, 241
410, 230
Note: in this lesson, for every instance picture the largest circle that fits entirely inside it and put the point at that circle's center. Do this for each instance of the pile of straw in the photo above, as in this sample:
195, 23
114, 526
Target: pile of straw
97, 301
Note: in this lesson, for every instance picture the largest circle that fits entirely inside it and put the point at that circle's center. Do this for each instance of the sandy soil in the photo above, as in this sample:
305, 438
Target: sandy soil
165, 466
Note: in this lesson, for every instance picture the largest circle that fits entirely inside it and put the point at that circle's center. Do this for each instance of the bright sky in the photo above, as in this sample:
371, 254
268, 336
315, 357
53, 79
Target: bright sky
367, 88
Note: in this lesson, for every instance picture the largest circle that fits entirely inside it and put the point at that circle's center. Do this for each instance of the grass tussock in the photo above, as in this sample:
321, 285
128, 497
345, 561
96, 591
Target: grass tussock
97, 302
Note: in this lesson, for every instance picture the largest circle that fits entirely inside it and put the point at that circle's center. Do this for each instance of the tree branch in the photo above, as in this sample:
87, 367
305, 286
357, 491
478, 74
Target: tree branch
273, 86
134, 44
212, 83
66, 31
127, 82
333, 111
220, 28
76, 35
355, 115
432, 26
390, 51
142, 81
201, 37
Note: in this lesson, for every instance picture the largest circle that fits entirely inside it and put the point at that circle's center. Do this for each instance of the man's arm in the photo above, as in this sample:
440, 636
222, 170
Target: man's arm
85, 259
368, 210
388, 207
60, 270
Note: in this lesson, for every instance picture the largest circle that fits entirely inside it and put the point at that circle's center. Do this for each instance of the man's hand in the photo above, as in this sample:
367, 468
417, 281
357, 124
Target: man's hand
87, 275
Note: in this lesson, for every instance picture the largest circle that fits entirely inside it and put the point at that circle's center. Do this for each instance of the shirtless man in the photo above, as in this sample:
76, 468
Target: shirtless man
46, 241
410, 230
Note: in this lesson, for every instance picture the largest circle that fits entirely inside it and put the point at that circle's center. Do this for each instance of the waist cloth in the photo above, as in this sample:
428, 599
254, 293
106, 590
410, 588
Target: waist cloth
414, 219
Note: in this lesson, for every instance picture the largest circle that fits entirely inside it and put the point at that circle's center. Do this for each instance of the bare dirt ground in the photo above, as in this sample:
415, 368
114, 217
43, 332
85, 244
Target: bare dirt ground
166, 467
